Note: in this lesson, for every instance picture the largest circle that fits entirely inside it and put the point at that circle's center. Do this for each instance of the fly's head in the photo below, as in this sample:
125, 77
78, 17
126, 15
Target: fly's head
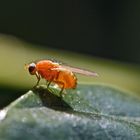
31, 68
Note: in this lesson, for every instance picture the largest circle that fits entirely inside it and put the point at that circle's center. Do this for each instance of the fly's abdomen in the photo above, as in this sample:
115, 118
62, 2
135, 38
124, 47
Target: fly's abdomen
66, 79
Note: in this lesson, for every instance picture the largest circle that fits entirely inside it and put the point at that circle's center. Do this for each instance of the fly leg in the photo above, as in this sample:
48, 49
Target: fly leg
38, 79
48, 84
62, 87
61, 91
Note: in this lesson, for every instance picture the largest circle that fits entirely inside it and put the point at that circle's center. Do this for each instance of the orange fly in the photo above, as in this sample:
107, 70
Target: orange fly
53, 72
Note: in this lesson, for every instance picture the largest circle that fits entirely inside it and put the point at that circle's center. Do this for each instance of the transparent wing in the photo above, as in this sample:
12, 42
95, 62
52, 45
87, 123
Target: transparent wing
76, 70
80, 71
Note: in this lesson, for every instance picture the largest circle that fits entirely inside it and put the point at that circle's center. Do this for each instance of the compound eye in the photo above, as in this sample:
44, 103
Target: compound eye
32, 68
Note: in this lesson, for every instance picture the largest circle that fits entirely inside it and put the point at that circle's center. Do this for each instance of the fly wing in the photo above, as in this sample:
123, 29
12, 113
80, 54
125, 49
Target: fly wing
80, 71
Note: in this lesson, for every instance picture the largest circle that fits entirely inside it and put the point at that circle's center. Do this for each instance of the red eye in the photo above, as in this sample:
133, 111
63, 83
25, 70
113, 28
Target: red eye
32, 68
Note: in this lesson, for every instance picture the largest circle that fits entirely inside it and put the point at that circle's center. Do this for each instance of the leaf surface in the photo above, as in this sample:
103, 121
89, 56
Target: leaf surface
88, 112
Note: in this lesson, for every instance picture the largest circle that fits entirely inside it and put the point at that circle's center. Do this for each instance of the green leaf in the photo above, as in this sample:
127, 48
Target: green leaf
88, 112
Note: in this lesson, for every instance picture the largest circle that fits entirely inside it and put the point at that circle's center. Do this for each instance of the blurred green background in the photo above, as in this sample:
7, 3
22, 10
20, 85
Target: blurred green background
15, 79
102, 36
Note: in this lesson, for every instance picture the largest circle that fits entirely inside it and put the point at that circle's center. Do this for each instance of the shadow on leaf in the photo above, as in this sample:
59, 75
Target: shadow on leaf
51, 100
